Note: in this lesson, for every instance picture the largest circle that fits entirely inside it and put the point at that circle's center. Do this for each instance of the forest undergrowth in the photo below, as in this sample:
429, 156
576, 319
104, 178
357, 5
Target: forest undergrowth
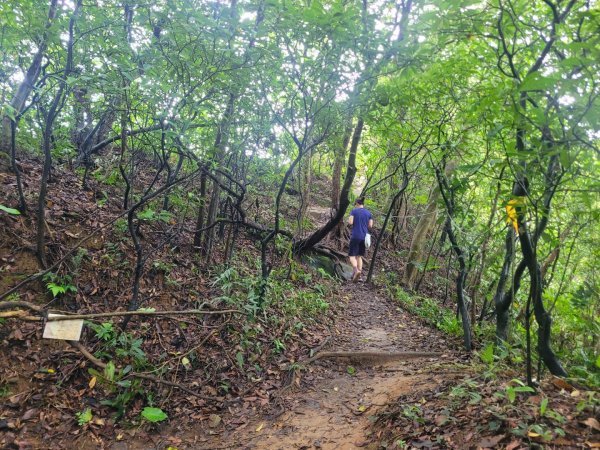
53, 394
244, 359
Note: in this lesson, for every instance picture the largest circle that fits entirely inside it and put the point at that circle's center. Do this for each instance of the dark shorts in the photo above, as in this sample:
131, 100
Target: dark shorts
357, 247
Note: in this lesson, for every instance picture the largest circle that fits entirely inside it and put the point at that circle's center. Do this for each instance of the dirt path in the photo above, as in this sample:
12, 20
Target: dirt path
330, 405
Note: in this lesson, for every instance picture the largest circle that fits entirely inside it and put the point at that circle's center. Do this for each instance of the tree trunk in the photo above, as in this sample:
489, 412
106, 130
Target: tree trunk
316, 237
339, 157
424, 226
385, 221
201, 208
50, 117
25, 88
219, 146
462, 273
542, 317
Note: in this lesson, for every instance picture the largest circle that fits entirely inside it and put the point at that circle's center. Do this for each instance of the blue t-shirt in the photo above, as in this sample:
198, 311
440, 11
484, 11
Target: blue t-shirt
360, 226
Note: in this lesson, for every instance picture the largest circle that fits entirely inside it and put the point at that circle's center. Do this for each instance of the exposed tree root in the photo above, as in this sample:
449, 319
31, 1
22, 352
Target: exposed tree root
372, 358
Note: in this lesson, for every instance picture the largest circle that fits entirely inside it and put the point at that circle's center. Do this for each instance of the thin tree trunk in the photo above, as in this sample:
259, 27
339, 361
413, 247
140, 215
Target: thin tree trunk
219, 146
201, 208
15, 167
426, 222
340, 156
462, 274
50, 117
25, 88
385, 221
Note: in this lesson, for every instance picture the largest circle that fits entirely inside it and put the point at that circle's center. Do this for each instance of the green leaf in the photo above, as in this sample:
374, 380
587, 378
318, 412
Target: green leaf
14, 212
537, 82
510, 394
420, 199
109, 371
154, 415
493, 132
487, 355
239, 357
56, 289
147, 214
543, 406
84, 417
523, 389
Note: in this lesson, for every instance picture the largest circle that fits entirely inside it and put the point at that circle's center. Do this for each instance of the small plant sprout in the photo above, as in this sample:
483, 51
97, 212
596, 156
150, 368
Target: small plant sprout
84, 417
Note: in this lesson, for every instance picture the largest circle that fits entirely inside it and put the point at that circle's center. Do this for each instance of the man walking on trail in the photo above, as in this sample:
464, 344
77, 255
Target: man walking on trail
361, 221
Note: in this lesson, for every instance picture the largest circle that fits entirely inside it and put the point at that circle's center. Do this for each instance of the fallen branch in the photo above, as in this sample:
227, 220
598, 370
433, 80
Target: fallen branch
19, 304
143, 313
23, 315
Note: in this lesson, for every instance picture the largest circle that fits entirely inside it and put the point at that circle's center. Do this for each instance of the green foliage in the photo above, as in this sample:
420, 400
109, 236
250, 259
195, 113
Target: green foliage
109, 176
286, 306
429, 265
429, 310
84, 417
512, 391
150, 215
8, 210
279, 346
59, 284
413, 412
120, 226
163, 266
78, 259
121, 390
313, 68
5, 390
154, 415
487, 354
124, 346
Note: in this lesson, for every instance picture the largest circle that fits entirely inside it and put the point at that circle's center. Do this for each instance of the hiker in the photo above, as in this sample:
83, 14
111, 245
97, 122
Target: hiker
361, 221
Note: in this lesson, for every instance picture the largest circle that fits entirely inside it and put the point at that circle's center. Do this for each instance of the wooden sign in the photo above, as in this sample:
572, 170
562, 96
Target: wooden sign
69, 330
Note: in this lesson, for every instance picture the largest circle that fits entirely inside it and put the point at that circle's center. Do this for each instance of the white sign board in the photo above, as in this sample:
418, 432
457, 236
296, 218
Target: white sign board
69, 330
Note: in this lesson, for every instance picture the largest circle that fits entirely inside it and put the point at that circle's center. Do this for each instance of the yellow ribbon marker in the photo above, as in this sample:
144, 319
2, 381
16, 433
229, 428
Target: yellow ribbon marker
511, 212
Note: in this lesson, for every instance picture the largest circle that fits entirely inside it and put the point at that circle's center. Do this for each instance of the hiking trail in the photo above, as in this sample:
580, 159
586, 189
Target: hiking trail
330, 404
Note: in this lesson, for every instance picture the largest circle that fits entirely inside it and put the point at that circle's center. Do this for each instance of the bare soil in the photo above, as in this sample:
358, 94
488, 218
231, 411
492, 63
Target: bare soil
331, 404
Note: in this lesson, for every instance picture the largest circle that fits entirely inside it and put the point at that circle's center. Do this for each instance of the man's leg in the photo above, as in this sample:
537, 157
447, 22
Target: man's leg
359, 259
354, 251
354, 263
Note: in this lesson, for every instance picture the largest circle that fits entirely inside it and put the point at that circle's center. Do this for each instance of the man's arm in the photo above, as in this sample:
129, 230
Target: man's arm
370, 225
351, 220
